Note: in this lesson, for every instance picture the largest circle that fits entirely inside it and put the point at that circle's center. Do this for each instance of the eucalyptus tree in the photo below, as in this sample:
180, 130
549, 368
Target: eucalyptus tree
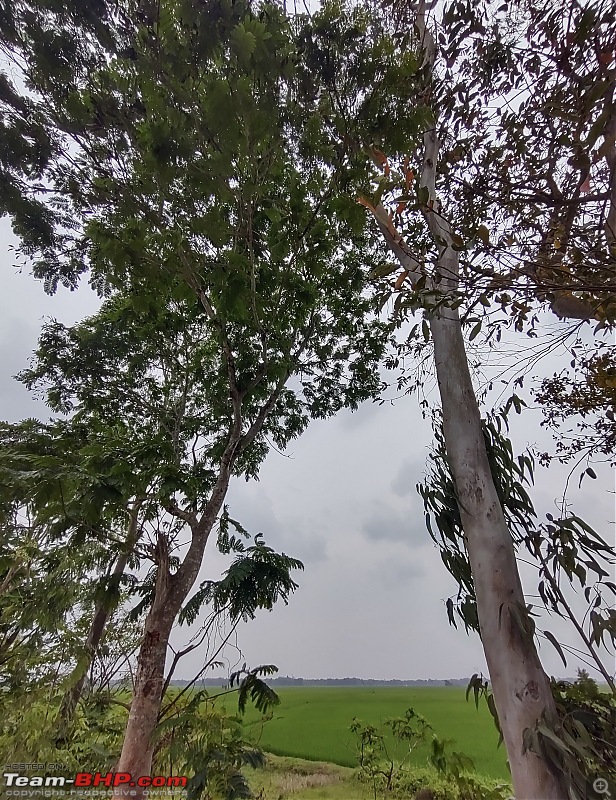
500, 201
568, 554
168, 151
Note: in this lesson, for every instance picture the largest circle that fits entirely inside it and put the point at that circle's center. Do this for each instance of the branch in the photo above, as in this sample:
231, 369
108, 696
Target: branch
557, 590
170, 705
171, 507
13, 570
236, 395
609, 149
118, 703
187, 573
200, 637
265, 409
394, 240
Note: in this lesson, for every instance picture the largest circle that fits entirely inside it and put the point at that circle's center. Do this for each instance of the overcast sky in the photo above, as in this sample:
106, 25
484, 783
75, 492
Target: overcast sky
343, 500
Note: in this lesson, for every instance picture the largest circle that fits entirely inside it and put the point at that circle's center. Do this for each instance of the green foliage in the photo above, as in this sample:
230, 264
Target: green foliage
29, 725
565, 546
256, 579
362, 76
202, 204
428, 783
46, 575
583, 393
49, 510
449, 775
441, 505
199, 738
583, 743
376, 761
250, 685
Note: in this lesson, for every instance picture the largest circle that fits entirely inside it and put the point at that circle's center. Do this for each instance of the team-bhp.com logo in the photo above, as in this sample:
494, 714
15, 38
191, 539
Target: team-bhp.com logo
90, 780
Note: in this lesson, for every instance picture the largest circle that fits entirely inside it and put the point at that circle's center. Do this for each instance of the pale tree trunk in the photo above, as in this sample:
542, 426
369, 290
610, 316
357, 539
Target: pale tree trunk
521, 689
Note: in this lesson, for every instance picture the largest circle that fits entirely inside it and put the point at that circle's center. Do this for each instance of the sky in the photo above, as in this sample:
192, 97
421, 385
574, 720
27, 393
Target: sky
371, 602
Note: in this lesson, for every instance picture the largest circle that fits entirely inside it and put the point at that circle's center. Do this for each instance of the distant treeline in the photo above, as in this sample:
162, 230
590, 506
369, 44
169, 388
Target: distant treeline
287, 681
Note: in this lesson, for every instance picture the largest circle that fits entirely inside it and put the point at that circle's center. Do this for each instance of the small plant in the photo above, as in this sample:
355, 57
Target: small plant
379, 761
458, 769
447, 776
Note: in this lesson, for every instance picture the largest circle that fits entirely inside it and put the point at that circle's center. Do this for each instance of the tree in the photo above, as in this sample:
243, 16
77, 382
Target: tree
46, 571
568, 554
550, 242
79, 477
181, 170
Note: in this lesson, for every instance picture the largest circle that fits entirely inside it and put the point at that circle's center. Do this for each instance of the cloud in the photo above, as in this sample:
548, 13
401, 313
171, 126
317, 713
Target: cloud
253, 508
385, 523
16, 344
407, 477
395, 572
366, 413
24, 307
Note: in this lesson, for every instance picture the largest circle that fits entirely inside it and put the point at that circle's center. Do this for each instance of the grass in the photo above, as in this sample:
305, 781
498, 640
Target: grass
305, 780
313, 723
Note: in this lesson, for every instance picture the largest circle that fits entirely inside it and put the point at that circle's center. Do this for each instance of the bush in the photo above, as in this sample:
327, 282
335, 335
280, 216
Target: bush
448, 775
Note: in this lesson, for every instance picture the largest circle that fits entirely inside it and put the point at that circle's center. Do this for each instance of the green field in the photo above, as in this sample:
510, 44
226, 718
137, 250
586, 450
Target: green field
313, 723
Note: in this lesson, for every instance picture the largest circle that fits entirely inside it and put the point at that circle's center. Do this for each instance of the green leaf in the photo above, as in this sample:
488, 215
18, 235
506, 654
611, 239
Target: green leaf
273, 214
383, 270
475, 331
244, 42
556, 644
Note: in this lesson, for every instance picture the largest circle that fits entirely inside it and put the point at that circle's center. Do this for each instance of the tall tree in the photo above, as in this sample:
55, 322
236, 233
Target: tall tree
489, 208
181, 170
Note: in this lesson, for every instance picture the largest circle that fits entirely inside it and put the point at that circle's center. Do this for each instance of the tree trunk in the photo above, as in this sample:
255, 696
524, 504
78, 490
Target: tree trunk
102, 612
170, 594
72, 696
521, 688
137, 748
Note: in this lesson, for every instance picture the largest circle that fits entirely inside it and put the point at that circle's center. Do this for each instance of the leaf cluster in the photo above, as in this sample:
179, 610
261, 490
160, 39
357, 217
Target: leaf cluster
581, 744
257, 578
